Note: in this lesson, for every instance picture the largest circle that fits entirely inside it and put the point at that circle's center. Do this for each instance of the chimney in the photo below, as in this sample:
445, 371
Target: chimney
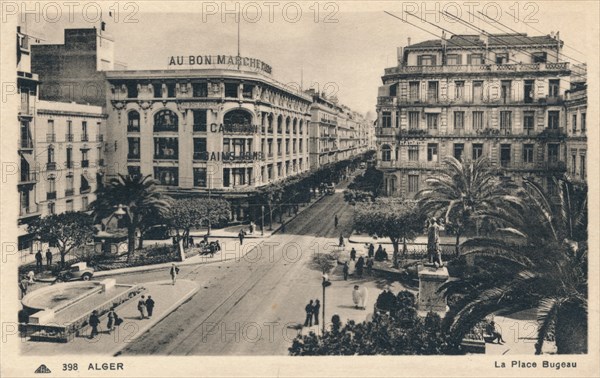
400, 55
408, 44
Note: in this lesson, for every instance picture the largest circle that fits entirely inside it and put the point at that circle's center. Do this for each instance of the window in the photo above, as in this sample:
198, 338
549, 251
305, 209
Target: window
477, 120
413, 183
528, 91
200, 120
200, 152
574, 123
554, 88
583, 126
505, 90
84, 186
426, 60
165, 148
553, 152
413, 90
475, 59
459, 148
394, 90
166, 175
134, 148
200, 89
477, 150
69, 206
157, 90
50, 155
506, 122
200, 177
132, 90
413, 120
432, 152
459, 90
582, 165
459, 120
501, 58
84, 159
528, 153
454, 59
170, 90
238, 121
247, 90
528, 122
279, 147
432, 121
574, 162
413, 153
432, 90
133, 121
51, 208
505, 154
539, 57
52, 185
553, 119
386, 118
386, 153
69, 157
478, 91
231, 90
165, 120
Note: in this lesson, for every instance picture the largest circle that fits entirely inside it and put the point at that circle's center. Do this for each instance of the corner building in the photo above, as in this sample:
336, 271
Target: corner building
470, 96
229, 131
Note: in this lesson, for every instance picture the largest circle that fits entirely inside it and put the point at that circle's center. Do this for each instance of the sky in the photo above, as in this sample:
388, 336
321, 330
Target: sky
341, 48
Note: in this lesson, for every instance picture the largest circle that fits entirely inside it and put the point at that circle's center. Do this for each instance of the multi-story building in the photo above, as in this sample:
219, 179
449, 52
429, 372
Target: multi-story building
576, 110
225, 130
338, 133
470, 96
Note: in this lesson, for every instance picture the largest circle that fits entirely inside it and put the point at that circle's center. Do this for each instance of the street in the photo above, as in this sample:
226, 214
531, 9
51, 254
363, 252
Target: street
250, 305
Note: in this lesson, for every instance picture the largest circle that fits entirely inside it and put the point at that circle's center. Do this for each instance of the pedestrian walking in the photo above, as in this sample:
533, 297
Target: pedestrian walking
371, 250
112, 319
48, 258
31, 276
359, 266
308, 309
241, 237
174, 271
94, 321
39, 261
369, 264
335, 220
356, 296
23, 285
353, 254
150, 306
363, 296
315, 311
346, 270
142, 307
341, 240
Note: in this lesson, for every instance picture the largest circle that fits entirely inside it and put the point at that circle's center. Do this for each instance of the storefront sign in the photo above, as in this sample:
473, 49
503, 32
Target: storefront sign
229, 156
219, 60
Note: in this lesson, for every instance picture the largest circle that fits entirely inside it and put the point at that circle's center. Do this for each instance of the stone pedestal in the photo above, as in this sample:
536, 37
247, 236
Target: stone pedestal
430, 280
108, 284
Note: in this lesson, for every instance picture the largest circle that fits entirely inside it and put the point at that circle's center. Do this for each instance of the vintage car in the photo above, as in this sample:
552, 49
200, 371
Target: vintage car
330, 188
77, 271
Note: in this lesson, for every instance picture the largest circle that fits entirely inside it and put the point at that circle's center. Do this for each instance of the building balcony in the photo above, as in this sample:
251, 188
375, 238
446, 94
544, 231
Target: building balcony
85, 138
69, 137
50, 195
26, 111
27, 178
51, 166
199, 127
133, 157
30, 211
133, 129
385, 131
26, 144
480, 68
69, 192
165, 157
387, 101
69, 164
51, 138
85, 164
85, 190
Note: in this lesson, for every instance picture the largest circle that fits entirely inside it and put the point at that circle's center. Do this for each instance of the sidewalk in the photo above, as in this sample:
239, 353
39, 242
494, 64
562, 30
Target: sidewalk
519, 331
167, 298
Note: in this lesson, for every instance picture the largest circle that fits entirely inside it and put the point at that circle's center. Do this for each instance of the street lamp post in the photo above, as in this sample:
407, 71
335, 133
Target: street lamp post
262, 220
325, 283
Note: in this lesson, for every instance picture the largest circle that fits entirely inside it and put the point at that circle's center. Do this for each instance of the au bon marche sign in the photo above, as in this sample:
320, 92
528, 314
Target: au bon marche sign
230, 61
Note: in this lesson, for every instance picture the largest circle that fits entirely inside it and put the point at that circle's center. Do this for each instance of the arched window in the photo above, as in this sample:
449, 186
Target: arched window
165, 120
287, 125
133, 121
237, 121
386, 153
295, 126
300, 127
270, 123
279, 124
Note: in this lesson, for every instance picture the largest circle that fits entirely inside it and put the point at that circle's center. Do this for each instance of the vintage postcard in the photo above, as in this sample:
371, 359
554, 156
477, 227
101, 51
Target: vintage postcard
299, 188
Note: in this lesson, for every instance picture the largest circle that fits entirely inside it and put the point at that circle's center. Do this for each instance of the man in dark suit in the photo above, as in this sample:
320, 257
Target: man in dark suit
48, 258
309, 310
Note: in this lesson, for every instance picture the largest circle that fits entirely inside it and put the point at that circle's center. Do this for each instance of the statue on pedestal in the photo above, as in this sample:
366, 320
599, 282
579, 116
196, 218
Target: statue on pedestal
434, 254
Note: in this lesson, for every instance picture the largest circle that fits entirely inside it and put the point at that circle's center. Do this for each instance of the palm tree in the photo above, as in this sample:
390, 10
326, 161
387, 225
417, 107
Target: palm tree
139, 198
538, 259
461, 192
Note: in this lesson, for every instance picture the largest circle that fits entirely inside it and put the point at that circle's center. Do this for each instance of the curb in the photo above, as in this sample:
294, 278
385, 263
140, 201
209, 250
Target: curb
173, 307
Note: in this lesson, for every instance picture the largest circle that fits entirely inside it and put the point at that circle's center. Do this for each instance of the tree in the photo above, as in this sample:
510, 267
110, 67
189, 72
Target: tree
189, 213
353, 196
461, 192
139, 197
397, 219
538, 258
271, 195
66, 231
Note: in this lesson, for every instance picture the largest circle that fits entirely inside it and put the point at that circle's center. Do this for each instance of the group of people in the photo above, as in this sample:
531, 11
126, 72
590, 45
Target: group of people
357, 266
39, 260
113, 320
145, 307
312, 312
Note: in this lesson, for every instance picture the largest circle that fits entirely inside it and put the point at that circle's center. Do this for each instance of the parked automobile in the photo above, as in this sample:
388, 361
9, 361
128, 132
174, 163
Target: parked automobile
330, 188
77, 271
